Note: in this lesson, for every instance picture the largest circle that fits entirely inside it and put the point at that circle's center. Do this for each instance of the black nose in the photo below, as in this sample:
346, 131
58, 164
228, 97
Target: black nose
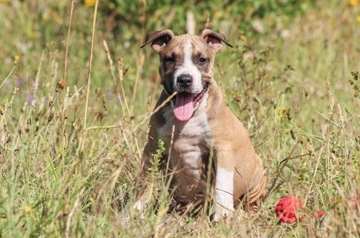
184, 80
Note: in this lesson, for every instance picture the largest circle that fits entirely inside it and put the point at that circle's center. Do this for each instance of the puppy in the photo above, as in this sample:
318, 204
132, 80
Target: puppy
208, 153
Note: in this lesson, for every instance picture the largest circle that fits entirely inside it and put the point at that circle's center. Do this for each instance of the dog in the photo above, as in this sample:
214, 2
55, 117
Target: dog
206, 146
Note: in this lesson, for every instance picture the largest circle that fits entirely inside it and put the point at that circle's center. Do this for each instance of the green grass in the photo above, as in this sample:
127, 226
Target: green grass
292, 86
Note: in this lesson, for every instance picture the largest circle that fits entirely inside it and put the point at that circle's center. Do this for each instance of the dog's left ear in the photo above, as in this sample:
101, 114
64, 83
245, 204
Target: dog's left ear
214, 39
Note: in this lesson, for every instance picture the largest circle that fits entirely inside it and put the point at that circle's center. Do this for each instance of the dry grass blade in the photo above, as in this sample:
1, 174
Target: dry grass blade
89, 74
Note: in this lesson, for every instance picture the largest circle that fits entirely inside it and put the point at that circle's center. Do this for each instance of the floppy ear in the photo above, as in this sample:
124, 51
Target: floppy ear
158, 39
214, 39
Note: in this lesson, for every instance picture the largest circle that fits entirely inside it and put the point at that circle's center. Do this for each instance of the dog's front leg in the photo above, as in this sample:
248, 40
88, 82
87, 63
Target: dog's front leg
224, 187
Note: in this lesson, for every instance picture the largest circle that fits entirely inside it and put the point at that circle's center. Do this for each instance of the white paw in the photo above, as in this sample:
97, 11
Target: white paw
223, 213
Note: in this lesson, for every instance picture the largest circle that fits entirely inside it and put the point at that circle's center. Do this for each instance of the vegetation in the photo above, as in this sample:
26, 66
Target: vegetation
76, 98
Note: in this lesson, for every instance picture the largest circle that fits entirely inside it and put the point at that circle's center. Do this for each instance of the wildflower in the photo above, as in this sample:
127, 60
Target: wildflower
28, 209
90, 3
320, 214
287, 208
218, 14
30, 99
281, 111
92, 200
353, 3
358, 18
17, 57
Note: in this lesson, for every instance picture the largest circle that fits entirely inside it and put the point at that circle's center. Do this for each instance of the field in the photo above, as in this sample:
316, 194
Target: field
77, 92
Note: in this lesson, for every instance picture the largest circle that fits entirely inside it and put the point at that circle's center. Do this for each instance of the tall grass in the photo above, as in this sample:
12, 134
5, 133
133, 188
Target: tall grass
76, 99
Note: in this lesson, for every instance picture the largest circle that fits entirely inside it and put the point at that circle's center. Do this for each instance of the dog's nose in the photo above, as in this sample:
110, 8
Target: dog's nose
184, 80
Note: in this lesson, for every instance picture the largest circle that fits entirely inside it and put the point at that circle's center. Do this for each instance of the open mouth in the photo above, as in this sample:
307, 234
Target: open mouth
186, 104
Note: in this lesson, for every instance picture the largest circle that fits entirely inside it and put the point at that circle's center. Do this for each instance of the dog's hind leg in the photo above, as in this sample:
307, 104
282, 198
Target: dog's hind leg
256, 194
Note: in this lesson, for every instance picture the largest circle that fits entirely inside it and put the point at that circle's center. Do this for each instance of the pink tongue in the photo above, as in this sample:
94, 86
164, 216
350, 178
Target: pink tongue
184, 106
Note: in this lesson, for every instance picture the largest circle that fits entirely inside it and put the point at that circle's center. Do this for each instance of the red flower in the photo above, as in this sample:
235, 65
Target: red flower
320, 214
286, 209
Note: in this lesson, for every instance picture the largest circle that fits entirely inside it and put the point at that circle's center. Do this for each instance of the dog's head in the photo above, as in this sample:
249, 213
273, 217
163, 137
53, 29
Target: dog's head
186, 66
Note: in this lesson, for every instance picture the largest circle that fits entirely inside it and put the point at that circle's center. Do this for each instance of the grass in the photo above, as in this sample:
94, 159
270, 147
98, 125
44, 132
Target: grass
72, 129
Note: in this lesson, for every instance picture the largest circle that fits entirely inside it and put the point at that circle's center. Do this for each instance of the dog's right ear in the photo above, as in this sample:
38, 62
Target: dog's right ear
158, 39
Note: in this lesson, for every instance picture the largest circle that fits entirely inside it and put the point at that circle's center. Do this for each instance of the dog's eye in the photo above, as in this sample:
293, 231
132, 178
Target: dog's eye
202, 60
169, 59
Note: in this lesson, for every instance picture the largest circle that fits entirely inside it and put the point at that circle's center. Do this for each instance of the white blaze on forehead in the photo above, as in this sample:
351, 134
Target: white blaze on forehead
188, 67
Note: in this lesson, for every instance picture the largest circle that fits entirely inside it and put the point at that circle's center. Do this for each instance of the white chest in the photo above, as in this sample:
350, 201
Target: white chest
193, 135
187, 142
187, 147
